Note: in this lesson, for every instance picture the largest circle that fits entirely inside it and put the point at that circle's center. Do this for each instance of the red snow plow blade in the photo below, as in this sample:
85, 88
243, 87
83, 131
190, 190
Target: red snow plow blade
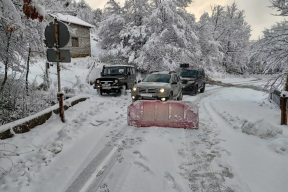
174, 114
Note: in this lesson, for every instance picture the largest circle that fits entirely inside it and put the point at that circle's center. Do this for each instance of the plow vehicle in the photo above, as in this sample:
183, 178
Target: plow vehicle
174, 114
157, 101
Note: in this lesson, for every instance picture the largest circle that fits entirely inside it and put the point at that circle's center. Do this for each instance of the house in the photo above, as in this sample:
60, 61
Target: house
79, 44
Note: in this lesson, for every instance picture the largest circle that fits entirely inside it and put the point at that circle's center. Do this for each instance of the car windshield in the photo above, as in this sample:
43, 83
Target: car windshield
188, 73
161, 78
114, 71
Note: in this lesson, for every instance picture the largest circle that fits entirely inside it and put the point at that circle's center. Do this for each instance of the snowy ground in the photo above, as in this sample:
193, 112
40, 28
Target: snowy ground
239, 146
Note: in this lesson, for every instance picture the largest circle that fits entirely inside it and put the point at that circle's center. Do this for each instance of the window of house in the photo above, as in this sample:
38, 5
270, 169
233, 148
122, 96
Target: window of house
75, 42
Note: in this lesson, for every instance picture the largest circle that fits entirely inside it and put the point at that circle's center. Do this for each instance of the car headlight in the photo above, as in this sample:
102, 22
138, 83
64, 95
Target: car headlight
162, 90
190, 82
134, 89
98, 81
116, 81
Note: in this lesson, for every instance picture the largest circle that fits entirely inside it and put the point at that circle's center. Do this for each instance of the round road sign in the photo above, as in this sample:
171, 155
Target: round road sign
63, 34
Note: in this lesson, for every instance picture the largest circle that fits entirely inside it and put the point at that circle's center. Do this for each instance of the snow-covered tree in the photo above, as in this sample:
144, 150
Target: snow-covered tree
211, 56
233, 33
281, 6
270, 53
172, 39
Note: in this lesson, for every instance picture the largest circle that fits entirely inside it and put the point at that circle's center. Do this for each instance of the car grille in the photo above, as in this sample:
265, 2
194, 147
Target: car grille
106, 82
147, 90
148, 98
184, 81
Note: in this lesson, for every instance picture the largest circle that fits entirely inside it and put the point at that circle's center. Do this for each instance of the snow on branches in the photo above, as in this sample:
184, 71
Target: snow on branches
281, 6
155, 35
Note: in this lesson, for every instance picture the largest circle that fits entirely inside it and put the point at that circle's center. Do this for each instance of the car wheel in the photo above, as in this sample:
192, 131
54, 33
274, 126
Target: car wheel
202, 89
99, 91
123, 90
180, 97
195, 90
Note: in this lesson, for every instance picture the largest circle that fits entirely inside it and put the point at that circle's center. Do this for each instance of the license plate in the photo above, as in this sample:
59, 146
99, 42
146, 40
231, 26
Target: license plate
146, 95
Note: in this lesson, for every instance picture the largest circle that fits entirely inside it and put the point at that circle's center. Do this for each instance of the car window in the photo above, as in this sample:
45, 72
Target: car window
161, 78
133, 69
114, 71
189, 73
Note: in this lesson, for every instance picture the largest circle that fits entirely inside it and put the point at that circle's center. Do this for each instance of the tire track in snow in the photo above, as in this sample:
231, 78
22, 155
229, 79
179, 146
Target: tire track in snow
110, 151
97, 182
220, 121
199, 157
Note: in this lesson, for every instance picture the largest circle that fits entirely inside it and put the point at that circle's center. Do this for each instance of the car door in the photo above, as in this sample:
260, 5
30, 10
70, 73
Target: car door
202, 78
174, 85
130, 81
179, 84
133, 78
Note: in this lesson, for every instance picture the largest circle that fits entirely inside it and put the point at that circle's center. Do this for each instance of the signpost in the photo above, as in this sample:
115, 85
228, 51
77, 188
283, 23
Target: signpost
57, 36
65, 56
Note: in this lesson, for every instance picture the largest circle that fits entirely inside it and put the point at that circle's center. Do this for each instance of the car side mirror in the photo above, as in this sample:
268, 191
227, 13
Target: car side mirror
101, 74
139, 81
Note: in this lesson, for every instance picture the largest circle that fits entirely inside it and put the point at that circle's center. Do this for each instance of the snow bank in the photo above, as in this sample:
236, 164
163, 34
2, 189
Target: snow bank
279, 145
94, 72
284, 94
261, 128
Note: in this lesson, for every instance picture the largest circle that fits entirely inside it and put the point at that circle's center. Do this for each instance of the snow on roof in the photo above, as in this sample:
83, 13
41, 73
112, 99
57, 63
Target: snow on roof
71, 19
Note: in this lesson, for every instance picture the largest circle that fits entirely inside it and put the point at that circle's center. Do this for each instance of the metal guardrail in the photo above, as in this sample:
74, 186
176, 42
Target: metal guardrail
275, 96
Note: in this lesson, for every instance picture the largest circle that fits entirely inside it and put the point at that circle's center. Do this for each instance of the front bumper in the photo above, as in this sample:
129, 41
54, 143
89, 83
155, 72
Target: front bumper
116, 87
188, 87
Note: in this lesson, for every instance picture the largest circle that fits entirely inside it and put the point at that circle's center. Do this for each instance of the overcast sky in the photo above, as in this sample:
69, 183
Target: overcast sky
257, 12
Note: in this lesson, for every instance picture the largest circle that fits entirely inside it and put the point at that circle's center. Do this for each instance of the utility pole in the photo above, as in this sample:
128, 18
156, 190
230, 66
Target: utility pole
59, 94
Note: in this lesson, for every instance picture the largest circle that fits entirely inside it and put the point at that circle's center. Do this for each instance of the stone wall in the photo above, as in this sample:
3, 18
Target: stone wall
30, 122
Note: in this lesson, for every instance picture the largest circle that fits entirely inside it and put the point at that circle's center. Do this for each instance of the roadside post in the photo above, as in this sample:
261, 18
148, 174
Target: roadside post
58, 36
283, 108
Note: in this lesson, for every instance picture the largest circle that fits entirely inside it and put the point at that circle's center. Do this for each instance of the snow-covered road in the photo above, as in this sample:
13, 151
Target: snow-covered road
97, 151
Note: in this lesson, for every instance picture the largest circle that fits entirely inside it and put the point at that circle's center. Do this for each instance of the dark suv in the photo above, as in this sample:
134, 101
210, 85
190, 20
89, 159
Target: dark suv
116, 79
193, 79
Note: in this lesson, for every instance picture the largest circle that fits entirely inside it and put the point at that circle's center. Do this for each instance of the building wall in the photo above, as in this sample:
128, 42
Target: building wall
83, 35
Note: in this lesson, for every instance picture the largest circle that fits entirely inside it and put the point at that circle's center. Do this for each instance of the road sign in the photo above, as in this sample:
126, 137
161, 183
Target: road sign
65, 56
63, 34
